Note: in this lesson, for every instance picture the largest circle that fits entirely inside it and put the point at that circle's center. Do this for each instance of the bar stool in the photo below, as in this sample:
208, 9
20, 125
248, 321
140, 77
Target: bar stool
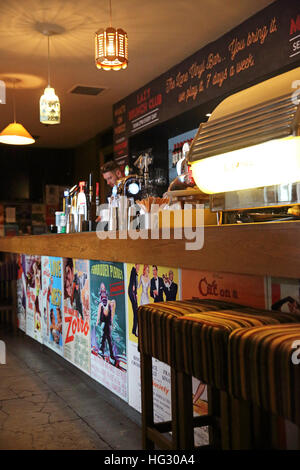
263, 368
192, 337
156, 339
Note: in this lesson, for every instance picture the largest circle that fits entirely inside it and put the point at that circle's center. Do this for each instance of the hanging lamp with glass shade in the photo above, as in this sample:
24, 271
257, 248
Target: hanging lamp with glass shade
111, 48
15, 133
49, 101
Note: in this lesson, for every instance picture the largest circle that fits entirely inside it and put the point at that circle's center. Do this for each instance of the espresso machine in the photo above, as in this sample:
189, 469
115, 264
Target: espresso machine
129, 189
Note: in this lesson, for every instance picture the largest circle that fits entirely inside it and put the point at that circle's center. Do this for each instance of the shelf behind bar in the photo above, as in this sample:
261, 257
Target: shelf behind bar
258, 249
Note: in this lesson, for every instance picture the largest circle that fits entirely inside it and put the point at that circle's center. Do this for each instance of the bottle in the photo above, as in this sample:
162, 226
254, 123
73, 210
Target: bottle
97, 199
63, 222
81, 201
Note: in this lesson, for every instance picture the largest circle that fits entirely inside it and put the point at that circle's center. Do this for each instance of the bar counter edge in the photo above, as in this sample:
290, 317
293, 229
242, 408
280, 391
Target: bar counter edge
257, 249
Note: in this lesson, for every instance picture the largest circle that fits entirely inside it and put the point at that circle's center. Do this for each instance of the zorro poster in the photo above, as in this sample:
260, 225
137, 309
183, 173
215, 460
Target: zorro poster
76, 315
108, 326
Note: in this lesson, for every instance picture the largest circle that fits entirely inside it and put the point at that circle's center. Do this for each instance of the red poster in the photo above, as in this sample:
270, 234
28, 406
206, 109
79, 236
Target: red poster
237, 288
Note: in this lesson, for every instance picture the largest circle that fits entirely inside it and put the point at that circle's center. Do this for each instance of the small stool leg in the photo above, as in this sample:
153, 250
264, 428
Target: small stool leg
182, 411
214, 409
147, 400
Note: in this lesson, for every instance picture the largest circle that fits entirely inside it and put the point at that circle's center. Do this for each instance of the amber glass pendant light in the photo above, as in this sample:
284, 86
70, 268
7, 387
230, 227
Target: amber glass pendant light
15, 133
111, 48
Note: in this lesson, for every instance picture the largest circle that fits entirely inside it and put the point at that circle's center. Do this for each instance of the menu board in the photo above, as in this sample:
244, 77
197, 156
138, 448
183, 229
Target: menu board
108, 326
76, 314
52, 288
251, 52
148, 284
33, 280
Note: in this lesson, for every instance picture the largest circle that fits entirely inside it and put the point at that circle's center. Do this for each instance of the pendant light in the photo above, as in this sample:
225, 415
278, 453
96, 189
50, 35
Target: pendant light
111, 48
15, 133
49, 101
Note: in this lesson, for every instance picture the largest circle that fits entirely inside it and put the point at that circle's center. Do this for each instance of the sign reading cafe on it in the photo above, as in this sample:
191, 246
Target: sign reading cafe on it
260, 47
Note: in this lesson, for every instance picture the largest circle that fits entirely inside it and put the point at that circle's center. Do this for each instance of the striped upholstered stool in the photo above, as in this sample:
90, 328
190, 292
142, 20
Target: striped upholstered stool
264, 368
192, 337
156, 339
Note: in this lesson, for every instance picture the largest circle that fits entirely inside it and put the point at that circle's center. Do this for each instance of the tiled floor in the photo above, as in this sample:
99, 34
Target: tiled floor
45, 405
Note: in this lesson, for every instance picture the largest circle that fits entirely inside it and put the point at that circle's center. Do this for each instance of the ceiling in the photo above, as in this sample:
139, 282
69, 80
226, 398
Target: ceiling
161, 33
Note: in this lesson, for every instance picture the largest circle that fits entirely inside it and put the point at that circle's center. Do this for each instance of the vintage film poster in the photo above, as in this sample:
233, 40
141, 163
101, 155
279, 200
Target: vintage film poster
237, 288
52, 279
33, 281
146, 284
108, 326
21, 292
284, 295
76, 313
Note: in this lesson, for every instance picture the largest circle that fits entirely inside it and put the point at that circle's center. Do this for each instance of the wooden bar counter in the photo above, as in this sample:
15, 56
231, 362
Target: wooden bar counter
258, 249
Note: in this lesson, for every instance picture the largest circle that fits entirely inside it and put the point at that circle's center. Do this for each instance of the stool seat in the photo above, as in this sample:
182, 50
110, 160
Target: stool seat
202, 340
155, 323
261, 369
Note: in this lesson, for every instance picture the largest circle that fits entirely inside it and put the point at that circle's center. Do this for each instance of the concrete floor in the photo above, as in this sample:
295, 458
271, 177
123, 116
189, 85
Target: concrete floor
45, 404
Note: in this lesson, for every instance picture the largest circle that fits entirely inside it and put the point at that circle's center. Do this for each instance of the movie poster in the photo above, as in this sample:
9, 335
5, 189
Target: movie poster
76, 317
52, 279
33, 281
284, 295
237, 288
147, 284
108, 326
21, 292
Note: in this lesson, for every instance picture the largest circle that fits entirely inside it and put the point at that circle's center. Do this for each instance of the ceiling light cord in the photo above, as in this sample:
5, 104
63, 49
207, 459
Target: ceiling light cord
110, 9
48, 60
14, 100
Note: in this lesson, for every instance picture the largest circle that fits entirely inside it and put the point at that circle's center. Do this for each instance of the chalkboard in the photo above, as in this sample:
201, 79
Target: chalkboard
264, 44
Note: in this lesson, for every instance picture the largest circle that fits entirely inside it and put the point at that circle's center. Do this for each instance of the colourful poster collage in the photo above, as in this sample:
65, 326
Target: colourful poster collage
86, 311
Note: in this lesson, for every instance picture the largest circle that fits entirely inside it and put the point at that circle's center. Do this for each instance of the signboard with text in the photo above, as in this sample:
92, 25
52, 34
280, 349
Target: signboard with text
259, 47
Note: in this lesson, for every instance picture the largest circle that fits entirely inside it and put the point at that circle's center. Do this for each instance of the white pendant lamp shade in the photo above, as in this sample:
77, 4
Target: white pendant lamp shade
49, 101
16, 134
49, 107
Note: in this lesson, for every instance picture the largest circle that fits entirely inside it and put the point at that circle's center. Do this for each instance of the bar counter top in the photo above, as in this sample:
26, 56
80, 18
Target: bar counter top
258, 249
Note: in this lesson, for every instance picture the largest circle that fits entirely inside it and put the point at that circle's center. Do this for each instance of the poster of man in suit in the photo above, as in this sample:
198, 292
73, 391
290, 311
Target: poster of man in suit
148, 284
